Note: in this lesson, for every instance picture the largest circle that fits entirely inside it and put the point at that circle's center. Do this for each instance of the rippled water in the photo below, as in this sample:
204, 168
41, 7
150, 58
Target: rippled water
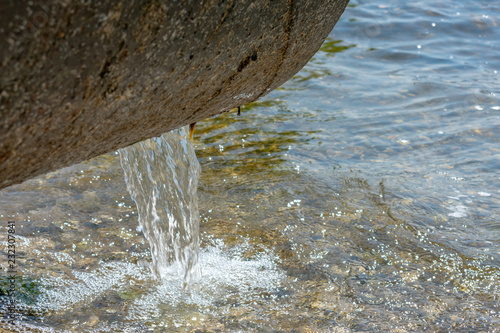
361, 196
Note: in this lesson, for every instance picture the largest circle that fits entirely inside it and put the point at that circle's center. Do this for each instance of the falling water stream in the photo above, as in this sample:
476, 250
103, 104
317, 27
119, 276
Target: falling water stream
162, 176
361, 196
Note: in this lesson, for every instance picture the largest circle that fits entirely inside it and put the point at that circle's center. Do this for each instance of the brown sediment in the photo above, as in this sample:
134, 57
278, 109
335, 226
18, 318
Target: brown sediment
82, 79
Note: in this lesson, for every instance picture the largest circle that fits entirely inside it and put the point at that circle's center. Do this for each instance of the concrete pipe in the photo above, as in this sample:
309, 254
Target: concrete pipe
83, 78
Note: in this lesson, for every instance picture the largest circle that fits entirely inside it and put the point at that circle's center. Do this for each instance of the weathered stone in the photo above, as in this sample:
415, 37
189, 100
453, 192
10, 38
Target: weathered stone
82, 78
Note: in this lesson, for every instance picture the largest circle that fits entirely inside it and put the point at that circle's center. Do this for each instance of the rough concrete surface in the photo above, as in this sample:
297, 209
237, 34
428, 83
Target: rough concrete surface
83, 78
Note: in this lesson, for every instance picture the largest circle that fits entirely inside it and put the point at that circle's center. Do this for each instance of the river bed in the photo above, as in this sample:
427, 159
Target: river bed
363, 195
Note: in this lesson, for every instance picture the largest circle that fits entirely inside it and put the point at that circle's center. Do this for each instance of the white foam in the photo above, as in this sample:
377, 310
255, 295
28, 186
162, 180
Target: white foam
224, 274
60, 294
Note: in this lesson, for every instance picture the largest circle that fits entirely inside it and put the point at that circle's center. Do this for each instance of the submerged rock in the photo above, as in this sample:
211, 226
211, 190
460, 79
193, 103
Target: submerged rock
82, 78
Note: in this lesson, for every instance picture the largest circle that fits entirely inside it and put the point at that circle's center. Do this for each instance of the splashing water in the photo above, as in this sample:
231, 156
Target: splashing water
162, 177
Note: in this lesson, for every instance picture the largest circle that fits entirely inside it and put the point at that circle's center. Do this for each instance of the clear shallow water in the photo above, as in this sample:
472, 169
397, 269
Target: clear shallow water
361, 196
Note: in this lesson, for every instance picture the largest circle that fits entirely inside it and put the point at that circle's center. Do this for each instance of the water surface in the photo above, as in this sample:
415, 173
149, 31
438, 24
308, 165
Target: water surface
361, 196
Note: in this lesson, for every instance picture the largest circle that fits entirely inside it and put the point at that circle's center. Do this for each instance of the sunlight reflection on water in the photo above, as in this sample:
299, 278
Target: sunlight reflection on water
363, 195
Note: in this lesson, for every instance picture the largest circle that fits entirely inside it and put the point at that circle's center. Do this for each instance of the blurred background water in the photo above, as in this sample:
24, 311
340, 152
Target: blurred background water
363, 195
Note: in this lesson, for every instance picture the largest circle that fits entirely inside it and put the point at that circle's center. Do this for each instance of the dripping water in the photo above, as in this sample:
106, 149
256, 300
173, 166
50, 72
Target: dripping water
162, 177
